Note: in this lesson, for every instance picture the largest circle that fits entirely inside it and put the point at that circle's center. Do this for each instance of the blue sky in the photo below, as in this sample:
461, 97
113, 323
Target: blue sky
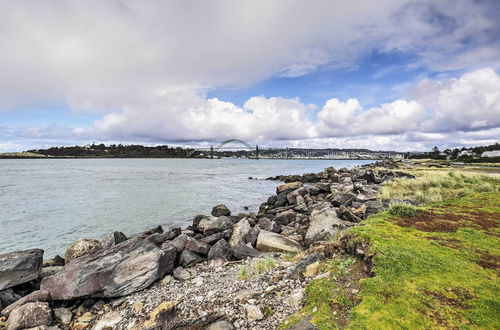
404, 75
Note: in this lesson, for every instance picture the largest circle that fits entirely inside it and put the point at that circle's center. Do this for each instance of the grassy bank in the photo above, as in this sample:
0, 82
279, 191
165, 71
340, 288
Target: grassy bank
435, 266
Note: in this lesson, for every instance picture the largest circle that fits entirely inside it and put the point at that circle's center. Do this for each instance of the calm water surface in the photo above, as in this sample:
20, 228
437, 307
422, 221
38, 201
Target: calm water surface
48, 203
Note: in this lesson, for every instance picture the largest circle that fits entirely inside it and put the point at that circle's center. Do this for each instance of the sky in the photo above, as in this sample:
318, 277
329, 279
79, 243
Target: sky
402, 75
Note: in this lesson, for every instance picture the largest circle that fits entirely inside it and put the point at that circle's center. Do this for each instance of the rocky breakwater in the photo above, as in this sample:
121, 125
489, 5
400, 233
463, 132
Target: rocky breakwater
83, 289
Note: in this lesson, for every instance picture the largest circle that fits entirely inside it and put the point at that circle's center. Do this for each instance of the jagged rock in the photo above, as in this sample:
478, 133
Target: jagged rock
243, 251
7, 297
181, 274
280, 200
254, 313
297, 270
55, 261
284, 218
179, 242
342, 198
288, 187
221, 210
188, 258
295, 298
252, 235
323, 225
272, 199
221, 325
19, 267
63, 315
120, 270
49, 271
292, 196
211, 239
113, 238
196, 246
315, 190
222, 250
155, 230
30, 315
81, 247
272, 242
240, 231
39, 295
219, 224
347, 214
363, 198
172, 233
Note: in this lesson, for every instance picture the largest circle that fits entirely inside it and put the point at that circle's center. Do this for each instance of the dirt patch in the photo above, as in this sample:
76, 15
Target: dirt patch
488, 260
450, 222
451, 243
459, 302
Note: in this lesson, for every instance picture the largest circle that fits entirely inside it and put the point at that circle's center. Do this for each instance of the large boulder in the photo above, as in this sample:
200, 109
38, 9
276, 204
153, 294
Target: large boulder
221, 210
19, 267
292, 196
288, 187
212, 225
221, 250
7, 297
81, 247
240, 231
196, 246
272, 242
244, 251
285, 217
189, 258
323, 225
118, 271
39, 295
30, 315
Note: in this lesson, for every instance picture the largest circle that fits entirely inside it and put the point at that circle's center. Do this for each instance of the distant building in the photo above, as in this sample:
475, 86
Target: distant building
465, 153
490, 154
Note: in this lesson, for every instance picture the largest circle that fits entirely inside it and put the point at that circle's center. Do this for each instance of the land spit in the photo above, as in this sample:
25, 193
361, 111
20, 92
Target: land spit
245, 271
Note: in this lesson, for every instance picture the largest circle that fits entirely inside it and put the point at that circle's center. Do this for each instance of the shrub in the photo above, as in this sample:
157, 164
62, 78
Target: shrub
404, 210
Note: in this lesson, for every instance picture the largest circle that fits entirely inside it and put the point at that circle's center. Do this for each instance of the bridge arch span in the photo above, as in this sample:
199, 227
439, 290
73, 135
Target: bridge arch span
249, 147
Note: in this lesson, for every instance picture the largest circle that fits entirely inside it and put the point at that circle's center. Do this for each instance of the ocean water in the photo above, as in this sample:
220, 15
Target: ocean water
48, 203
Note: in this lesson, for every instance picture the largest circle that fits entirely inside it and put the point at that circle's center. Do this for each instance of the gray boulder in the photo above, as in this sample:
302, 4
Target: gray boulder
30, 315
55, 261
118, 271
285, 217
196, 246
189, 258
39, 295
323, 225
221, 210
272, 242
373, 207
252, 235
19, 267
221, 250
7, 297
244, 251
181, 274
211, 239
113, 238
240, 231
288, 187
292, 196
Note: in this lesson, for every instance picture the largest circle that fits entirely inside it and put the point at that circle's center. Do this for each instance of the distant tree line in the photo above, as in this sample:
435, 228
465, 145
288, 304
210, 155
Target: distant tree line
116, 151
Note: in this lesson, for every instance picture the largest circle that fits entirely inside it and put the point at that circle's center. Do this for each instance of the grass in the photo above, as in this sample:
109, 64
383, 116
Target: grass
438, 185
260, 266
435, 266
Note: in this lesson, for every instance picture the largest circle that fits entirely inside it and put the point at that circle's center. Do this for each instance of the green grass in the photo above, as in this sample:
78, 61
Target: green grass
435, 267
260, 266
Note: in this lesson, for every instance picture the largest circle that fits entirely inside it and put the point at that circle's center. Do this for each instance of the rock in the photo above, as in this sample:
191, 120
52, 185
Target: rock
252, 236
295, 298
108, 321
19, 267
166, 280
273, 242
240, 231
200, 222
39, 295
296, 271
243, 251
56, 261
83, 321
304, 324
30, 315
220, 325
156, 238
211, 239
156, 230
217, 224
373, 207
253, 313
312, 269
113, 238
222, 250
63, 315
292, 196
221, 210
49, 271
179, 242
172, 233
323, 225
189, 258
288, 187
7, 297
118, 271
81, 247
343, 198
347, 214
280, 200
163, 314
196, 246
138, 306
181, 274
246, 295
284, 218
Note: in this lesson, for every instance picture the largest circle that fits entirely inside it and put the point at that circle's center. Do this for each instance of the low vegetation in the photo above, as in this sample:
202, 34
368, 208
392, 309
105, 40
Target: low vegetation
435, 265
260, 266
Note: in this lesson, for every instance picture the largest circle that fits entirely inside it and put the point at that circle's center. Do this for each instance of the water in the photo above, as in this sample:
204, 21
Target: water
48, 203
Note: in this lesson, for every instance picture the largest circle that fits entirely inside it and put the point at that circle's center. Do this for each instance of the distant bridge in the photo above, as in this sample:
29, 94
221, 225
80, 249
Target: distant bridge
221, 145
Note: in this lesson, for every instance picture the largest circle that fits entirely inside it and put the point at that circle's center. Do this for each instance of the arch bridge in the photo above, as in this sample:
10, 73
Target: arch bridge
224, 143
